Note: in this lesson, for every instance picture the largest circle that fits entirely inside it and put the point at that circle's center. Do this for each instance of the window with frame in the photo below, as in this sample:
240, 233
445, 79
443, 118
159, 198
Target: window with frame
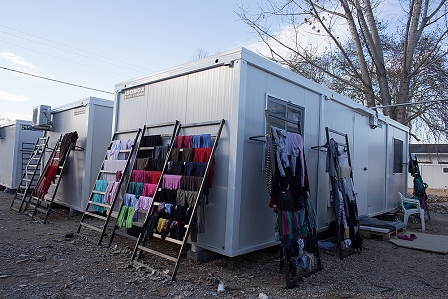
285, 110
398, 156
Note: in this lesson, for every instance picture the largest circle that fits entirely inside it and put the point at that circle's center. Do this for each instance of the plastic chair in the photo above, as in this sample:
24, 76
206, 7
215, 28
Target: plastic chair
414, 209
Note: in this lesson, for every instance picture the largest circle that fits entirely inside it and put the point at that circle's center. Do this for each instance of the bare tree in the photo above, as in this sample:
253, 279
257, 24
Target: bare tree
361, 58
199, 54
4, 120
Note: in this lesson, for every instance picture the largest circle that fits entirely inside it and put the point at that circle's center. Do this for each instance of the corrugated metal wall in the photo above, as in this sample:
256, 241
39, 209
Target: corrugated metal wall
11, 164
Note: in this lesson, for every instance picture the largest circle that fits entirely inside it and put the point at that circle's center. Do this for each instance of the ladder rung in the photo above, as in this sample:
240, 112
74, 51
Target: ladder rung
108, 171
91, 227
20, 193
32, 165
168, 239
157, 253
100, 204
99, 192
146, 148
28, 180
41, 210
95, 215
15, 209
125, 151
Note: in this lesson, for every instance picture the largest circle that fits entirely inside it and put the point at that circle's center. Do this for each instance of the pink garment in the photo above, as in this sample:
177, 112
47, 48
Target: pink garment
149, 190
297, 146
111, 191
143, 203
183, 141
171, 181
139, 176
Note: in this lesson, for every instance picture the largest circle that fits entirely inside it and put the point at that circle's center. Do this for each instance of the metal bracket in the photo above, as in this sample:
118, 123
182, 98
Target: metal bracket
255, 138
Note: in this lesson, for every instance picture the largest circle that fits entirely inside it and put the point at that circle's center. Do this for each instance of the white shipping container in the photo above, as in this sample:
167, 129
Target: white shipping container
239, 86
17, 140
92, 119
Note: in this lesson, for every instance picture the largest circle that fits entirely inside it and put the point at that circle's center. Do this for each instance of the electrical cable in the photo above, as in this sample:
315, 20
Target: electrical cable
24, 73
75, 48
71, 52
63, 59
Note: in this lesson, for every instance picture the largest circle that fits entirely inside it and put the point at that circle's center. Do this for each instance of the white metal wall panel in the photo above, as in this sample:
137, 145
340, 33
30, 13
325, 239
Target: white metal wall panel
130, 113
93, 123
99, 135
257, 227
396, 182
8, 152
11, 163
360, 154
376, 170
431, 171
69, 191
192, 98
340, 118
209, 94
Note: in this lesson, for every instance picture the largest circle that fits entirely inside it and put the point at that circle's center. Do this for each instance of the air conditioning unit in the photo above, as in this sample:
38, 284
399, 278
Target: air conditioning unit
42, 118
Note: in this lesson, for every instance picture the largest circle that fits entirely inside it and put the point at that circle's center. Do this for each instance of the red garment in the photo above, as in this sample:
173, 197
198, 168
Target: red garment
153, 176
49, 177
183, 141
203, 155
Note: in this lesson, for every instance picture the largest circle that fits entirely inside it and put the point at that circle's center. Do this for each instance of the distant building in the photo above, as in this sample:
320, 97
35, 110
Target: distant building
433, 164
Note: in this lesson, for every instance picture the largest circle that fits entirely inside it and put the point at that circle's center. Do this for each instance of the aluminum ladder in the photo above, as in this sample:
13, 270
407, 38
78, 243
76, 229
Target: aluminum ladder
100, 212
29, 176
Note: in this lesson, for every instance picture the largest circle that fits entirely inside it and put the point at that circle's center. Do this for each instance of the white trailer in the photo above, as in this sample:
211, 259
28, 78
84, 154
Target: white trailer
17, 140
92, 119
239, 86
433, 162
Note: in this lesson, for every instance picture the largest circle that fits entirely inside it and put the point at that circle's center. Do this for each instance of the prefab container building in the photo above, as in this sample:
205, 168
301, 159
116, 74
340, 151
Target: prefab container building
433, 162
239, 86
91, 118
17, 140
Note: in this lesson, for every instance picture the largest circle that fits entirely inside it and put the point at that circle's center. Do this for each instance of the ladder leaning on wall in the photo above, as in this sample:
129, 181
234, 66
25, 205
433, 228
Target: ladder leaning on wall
30, 175
147, 151
149, 233
113, 172
45, 192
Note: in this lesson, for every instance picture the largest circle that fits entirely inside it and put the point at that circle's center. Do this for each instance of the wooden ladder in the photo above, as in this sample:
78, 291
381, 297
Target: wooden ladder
148, 233
143, 149
104, 210
47, 187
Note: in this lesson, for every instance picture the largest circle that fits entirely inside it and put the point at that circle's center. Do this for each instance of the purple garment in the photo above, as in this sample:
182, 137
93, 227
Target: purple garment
143, 203
171, 181
111, 191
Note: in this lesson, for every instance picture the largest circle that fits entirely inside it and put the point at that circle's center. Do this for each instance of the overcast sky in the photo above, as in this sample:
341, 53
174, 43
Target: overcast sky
100, 43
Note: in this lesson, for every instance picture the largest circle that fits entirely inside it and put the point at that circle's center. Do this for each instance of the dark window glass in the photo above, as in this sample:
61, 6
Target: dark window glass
398, 156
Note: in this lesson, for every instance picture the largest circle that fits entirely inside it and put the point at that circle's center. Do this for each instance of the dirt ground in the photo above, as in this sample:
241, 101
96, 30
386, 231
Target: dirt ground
39, 261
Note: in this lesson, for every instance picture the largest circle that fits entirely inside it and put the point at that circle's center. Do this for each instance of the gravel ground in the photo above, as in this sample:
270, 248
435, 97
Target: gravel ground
38, 261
